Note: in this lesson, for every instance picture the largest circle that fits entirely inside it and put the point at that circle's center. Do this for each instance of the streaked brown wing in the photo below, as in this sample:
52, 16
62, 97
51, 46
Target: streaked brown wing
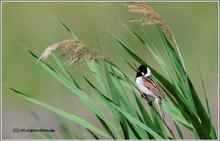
153, 86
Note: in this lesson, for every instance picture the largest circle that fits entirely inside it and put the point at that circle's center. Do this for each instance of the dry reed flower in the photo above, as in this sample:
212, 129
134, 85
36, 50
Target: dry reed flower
75, 50
151, 17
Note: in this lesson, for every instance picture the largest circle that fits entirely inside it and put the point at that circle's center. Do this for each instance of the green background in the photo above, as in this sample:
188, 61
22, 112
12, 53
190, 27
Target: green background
194, 25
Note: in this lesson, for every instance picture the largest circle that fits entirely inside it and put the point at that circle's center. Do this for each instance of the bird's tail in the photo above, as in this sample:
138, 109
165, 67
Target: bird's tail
160, 108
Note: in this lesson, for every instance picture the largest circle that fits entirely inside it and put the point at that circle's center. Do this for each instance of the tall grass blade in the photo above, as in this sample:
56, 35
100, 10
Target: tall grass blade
134, 131
176, 115
212, 130
131, 118
166, 84
146, 117
119, 118
178, 130
62, 113
136, 121
97, 138
63, 25
106, 127
205, 122
105, 101
66, 132
158, 124
204, 61
79, 93
126, 99
66, 71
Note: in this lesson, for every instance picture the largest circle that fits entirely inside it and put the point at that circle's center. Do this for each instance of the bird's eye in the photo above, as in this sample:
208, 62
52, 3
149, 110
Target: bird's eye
138, 70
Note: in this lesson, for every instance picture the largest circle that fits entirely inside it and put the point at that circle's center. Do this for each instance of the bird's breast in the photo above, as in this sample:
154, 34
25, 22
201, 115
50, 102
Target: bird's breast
141, 87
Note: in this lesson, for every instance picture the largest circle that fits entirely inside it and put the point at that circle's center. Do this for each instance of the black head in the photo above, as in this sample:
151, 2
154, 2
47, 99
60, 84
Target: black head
142, 70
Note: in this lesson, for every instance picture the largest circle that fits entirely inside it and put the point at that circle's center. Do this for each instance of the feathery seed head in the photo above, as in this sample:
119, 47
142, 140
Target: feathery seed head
150, 17
75, 51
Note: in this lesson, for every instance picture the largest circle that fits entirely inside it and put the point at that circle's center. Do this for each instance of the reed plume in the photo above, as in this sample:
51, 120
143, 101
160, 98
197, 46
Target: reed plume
150, 17
75, 51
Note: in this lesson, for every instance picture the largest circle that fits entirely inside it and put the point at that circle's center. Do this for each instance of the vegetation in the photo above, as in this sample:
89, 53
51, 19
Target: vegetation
118, 92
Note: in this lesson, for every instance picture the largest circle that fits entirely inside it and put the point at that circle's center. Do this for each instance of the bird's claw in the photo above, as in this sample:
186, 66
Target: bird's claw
150, 103
144, 96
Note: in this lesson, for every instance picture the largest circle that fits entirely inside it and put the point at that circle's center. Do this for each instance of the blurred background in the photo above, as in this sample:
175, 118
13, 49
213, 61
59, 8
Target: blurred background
194, 25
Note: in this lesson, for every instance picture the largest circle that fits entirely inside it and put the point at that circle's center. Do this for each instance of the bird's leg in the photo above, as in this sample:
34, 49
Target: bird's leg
145, 96
150, 103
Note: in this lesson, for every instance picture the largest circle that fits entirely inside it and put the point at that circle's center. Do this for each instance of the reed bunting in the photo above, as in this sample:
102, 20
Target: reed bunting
149, 88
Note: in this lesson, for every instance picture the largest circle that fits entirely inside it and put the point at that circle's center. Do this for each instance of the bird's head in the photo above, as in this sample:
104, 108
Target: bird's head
143, 71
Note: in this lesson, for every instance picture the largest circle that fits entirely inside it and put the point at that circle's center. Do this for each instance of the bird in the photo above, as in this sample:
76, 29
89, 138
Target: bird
149, 88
